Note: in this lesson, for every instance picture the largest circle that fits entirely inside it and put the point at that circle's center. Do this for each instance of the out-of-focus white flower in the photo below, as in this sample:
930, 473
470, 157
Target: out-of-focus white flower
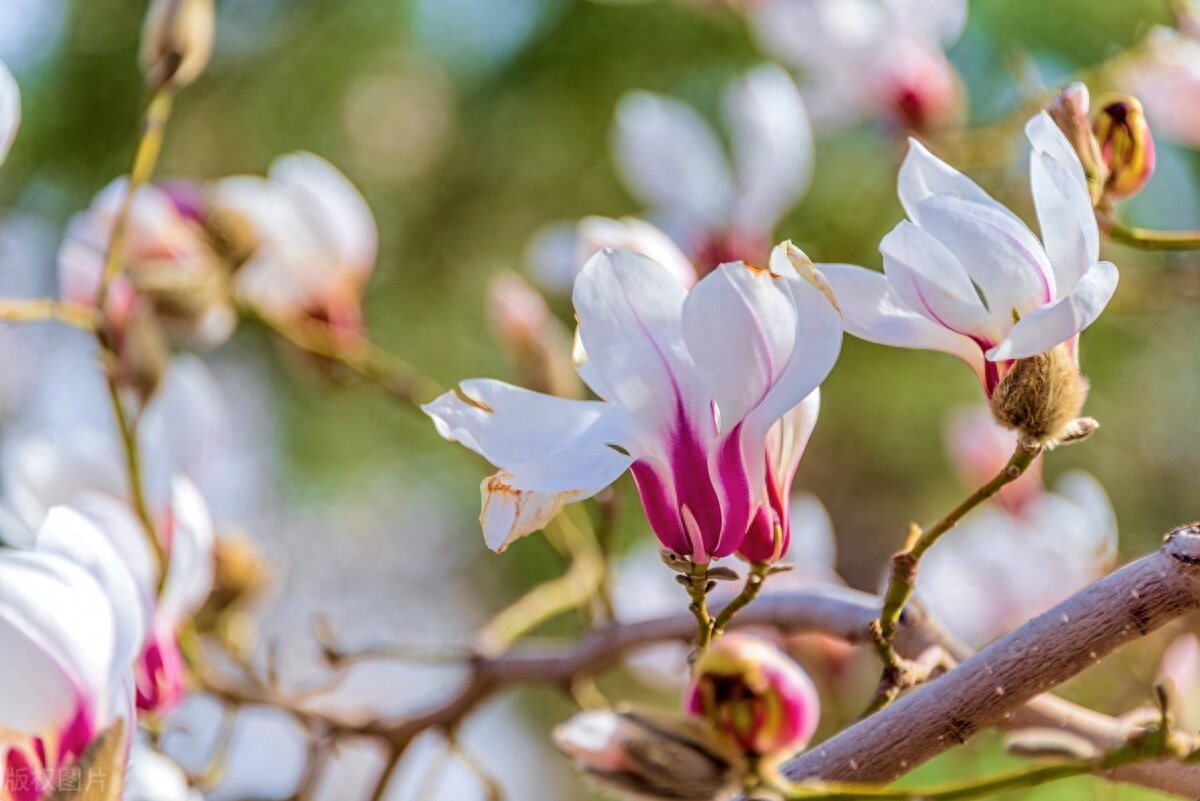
867, 58
522, 323
169, 259
1164, 74
316, 240
10, 110
1017, 556
1181, 667
70, 625
151, 776
693, 382
966, 276
716, 209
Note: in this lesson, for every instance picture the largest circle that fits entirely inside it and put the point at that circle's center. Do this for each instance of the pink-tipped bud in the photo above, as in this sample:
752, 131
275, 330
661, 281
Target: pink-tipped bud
1126, 145
1069, 110
755, 696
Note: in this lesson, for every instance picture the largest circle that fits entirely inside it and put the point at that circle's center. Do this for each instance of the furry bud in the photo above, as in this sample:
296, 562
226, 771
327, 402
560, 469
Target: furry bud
1041, 398
1126, 146
754, 695
177, 41
647, 755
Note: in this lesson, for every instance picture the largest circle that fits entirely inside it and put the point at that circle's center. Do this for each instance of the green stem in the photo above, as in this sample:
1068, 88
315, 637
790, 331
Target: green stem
1148, 239
697, 585
750, 590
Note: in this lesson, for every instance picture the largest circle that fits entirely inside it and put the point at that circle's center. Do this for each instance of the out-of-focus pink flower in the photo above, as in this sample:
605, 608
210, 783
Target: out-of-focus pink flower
316, 240
966, 276
1164, 74
692, 383
70, 625
169, 260
867, 58
1067, 539
716, 209
755, 695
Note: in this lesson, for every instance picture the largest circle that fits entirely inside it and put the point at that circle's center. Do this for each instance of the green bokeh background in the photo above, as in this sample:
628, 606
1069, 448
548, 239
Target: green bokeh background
493, 147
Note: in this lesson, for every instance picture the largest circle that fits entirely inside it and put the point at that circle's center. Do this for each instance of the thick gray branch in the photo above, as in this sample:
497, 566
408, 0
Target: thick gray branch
988, 688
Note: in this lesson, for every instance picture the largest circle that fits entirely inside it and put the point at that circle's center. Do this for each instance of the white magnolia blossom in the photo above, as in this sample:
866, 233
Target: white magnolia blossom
692, 382
1065, 540
717, 208
1165, 76
70, 627
966, 276
866, 58
316, 239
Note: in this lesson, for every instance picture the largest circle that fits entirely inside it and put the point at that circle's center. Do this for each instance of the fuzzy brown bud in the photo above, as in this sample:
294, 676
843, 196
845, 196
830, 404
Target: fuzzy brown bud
177, 41
1041, 398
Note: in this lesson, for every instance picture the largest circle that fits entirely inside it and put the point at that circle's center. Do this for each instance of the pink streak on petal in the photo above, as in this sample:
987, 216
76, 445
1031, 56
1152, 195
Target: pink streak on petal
159, 675
658, 499
733, 484
21, 777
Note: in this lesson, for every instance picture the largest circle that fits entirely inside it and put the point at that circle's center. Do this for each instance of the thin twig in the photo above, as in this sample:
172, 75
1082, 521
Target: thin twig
1148, 239
45, 310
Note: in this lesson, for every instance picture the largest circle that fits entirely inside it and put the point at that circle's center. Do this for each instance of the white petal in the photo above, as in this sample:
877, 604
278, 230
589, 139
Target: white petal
740, 326
57, 635
1002, 256
545, 443
42, 469
150, 776
1058, 322
872, 310
124, 532
629, 233
772, 147
787, 439
190, 569
1064, 208
72, 536
10, 110
923, 175
334, 206
669, 157
550, 255
509, 513
629, 310
932, 281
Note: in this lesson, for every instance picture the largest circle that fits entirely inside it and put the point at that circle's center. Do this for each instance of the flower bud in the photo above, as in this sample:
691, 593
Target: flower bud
650, 755
177, 41
1126, 146
1041, 398
522, 323
1069, 110
755, 696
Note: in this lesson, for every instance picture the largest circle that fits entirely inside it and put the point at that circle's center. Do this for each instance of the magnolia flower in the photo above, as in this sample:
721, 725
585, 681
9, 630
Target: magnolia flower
10, 110
867, 58
754, 695
1165, 75
670, 159
1067, 539
69, 628
317, 240
691, 382
170, 260
965, 276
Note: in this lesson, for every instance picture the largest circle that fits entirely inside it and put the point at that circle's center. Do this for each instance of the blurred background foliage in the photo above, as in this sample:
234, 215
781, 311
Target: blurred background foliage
469, 124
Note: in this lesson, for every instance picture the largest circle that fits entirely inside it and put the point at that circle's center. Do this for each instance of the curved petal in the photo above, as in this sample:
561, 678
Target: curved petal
787, 439
740, 327
923, 175
872, 310
509, 513
772, 147
10, 110
123, 531
72, 536
544, 443
333, 206
670, 158
629, 310
1064, 207
1002, 256
190, 567
1058, 322
630, 233
932, 281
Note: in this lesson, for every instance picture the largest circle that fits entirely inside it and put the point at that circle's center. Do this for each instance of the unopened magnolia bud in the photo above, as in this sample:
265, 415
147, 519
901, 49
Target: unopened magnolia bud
1069, 110
142, 353
177, 40
522, 323
1041, 398
1126, 145
642, 754
1046, 743
754, 695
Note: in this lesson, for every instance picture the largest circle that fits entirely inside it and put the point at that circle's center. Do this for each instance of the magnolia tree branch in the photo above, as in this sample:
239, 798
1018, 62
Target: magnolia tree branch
990, 688
999, 687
